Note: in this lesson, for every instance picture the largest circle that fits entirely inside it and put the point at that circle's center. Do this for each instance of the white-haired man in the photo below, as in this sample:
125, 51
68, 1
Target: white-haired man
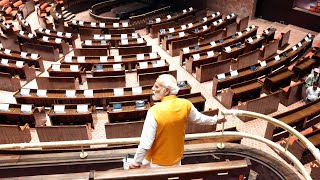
162, 138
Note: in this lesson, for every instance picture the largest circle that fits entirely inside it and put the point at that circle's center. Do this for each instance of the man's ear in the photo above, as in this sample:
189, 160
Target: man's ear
167, 91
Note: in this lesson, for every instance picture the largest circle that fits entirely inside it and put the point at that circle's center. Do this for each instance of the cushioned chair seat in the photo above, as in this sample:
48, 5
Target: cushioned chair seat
17, 4
4, 2
8, 10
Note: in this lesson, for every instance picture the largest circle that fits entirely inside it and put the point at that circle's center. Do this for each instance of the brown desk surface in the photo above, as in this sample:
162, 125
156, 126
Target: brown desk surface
196, 99
280, 76
299, 115
304, 64
315, 139
247, 87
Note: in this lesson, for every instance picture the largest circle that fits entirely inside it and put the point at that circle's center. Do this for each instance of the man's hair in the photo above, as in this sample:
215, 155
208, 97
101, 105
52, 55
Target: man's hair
170, 82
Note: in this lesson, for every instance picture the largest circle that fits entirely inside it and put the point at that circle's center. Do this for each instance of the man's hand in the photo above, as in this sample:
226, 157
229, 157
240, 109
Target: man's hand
222, 120
131, 166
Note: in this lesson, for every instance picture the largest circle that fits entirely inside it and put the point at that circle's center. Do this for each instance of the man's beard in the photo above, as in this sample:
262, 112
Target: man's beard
159, 96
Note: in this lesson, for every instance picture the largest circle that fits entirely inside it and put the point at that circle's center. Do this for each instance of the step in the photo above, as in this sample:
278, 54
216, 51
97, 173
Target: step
70, 17
67, 15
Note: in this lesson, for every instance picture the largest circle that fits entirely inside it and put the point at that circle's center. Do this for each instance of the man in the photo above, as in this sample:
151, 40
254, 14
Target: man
162, 138
313, 93
312, 78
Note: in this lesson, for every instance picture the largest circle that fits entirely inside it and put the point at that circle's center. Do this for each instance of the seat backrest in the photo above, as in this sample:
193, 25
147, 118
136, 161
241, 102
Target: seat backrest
10, 134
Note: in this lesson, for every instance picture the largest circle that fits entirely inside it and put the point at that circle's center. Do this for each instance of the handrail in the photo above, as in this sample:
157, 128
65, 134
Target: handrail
315, 151
118, 141
167, 7
289, 155
103, 18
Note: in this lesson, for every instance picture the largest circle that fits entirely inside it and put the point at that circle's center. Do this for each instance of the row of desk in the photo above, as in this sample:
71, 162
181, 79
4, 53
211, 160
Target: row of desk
271, 64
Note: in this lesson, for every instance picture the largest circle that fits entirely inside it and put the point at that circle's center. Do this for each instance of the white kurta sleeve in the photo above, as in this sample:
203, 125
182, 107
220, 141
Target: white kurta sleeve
147, 138
199, 118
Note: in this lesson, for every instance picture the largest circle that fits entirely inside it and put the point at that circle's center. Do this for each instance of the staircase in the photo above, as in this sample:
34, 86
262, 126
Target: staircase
67, 15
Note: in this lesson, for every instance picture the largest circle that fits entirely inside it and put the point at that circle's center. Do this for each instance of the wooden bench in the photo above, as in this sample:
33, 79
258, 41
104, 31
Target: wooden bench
90, 52
150, 78
11, 134
276, 80
297, 148
303, 67
65, 71
151, 67
135, 50
63, 133
88, 33
71, 115
247, 59
66, 36
131, 42
154, 26
197, 99
57, 43
107, 70
256, 43
248, 73
128, 112
292, 93
206, 72
235, 51
241, 92
130, 61
24, 71
218, 44
31, 59
57, 83
300, 118
17, 116
100, 97
106, 82
9, 82
47, 52
204, 58
264, 105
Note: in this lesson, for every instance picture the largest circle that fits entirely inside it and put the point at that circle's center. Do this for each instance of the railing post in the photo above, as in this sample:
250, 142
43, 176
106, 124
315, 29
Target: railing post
83, 154
288, 141
221, 144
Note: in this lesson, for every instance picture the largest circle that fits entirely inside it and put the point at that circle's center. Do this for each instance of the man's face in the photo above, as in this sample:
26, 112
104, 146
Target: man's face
315, 88
159, 92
